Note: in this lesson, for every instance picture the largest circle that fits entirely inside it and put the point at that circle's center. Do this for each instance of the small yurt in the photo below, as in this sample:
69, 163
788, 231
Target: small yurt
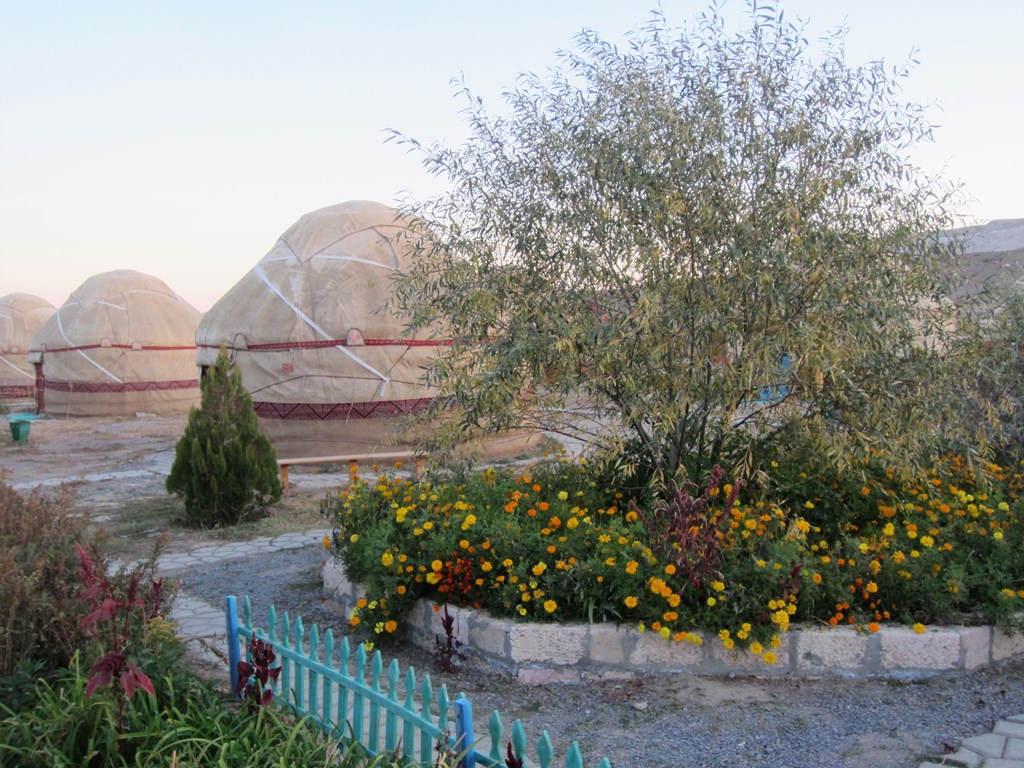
326, 364
21, 315
122, 344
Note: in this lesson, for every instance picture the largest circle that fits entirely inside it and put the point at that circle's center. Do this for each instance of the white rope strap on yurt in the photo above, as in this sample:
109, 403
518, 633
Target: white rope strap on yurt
16, 368
60, 327
309, 321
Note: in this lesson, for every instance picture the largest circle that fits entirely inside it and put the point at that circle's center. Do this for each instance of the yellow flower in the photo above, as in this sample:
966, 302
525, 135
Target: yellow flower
631, 566
327, 541
469, 522
718, 586
769, 658
387, 559
927, 541
354, 538
539, 568
756, 648
665, 632
563, 495
919, 628
550, 606
997, 535
711, 601
436, 566
630, 601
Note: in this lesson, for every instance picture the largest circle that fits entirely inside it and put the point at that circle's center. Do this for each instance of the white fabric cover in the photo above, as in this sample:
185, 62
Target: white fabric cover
123, 343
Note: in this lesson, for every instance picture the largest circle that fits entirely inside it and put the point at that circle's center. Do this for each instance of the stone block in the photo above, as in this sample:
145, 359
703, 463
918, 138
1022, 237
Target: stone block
653, 653
836, 651
1004, 646
555, 644
904, 649
975, 647
488, 636
606, 644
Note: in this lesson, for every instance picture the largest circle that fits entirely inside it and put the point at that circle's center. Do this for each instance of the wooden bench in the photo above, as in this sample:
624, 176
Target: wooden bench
353, 462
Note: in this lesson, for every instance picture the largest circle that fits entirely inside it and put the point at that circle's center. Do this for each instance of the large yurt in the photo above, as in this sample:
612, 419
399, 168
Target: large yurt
21, 315
123, 344
326, 364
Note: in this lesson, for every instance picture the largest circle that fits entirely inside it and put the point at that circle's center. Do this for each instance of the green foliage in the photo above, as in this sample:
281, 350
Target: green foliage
189, 723
39, 579
647, 233
224, 467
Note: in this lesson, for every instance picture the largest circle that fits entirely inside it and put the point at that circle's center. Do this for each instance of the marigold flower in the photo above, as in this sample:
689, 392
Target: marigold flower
327, 541
550, 606
919, 628
538, 569
874, 626
436, 566
387, 559
769, 658
563, 495
630, 601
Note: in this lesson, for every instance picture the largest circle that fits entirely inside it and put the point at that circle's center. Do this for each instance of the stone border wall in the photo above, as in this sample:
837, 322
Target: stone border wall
568, 653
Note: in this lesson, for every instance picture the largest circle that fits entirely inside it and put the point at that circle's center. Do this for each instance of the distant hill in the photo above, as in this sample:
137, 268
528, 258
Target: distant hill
994, 249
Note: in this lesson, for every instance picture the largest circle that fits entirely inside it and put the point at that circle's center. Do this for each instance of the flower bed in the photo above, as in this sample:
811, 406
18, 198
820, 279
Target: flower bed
553, 543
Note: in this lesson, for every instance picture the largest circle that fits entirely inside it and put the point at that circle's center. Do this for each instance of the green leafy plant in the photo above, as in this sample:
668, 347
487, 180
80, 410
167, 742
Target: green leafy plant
224, 467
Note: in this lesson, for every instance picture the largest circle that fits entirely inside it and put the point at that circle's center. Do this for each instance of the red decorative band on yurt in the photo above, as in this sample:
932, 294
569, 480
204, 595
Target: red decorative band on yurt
17, 391
129, 347
323, 343
127, 386
341, 411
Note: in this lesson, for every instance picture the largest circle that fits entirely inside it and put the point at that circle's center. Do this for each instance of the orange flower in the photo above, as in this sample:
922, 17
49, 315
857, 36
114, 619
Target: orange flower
543, 506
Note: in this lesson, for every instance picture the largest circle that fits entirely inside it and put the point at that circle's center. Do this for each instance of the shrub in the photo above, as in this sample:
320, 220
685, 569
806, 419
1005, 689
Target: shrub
224, 468
39, 579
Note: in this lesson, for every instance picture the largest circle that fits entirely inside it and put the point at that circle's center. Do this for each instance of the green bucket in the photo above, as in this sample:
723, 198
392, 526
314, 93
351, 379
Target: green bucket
19, 430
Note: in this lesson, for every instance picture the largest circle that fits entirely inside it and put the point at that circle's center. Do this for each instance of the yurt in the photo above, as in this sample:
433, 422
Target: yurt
21, 315
122, 344
326, 363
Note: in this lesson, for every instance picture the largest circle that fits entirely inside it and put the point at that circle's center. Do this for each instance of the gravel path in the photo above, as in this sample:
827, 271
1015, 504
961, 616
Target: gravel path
678, 721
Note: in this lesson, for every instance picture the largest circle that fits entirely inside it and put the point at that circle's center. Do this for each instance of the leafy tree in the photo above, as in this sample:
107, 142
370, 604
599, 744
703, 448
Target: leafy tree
676, 248
224, 468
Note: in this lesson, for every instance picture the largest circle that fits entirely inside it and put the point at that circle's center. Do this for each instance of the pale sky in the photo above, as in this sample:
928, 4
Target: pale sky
182, 138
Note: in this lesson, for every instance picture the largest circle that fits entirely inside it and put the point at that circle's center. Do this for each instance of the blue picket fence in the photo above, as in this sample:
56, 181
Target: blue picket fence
316, 682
